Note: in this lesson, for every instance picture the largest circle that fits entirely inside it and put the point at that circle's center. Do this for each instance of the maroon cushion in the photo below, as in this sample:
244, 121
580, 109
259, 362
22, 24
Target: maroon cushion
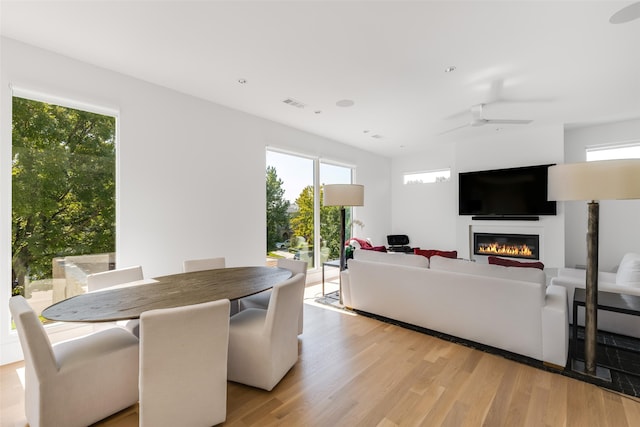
363, 243
375, 248
431, 252
512, 263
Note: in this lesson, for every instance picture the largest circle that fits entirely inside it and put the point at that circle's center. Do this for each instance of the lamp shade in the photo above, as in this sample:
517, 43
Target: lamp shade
599, 180
343, 195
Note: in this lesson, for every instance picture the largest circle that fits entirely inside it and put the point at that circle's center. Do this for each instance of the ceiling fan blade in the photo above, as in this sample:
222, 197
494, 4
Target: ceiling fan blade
626, 14
507, 122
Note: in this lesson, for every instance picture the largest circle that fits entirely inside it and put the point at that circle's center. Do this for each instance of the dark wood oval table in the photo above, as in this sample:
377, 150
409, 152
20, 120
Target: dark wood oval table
128, 302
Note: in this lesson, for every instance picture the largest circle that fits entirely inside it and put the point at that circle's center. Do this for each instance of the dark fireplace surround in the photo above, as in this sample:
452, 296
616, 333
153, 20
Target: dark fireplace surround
507, 245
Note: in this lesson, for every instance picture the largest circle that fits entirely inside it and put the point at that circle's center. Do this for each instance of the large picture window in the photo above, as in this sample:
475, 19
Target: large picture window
63, 199
299, 226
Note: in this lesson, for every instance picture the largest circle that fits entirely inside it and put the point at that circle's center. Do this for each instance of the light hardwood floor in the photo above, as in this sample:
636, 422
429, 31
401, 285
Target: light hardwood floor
356, 371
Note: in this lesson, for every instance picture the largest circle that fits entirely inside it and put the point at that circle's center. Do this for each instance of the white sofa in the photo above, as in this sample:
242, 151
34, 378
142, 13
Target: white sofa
625, 281
504, 307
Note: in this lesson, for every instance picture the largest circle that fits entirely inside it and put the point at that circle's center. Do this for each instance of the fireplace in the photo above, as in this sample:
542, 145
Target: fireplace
507, 245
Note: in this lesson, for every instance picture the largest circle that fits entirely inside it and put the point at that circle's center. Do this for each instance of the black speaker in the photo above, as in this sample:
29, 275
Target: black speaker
397, 239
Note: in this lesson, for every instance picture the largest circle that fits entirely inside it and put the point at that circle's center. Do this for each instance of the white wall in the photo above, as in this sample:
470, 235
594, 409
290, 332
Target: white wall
619, 219
428, 213
191, 173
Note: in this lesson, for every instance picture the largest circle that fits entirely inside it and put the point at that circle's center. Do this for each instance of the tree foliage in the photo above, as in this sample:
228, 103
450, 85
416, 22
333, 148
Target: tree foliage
63, 185
302, 223
277, 206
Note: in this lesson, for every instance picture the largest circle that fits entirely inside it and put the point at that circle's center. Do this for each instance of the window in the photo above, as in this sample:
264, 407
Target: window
63, 199
440, 175
296, 217
614, 151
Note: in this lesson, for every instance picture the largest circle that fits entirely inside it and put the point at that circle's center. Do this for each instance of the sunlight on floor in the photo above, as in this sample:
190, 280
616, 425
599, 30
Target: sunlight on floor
313, 296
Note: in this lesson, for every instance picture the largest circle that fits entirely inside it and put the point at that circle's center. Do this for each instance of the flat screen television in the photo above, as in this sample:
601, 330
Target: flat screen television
505, 192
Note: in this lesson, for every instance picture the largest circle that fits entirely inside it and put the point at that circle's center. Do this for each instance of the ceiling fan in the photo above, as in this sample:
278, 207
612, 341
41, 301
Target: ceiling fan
477, 119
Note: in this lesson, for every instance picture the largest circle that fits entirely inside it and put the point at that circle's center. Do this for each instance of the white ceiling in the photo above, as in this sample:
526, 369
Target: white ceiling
555, 62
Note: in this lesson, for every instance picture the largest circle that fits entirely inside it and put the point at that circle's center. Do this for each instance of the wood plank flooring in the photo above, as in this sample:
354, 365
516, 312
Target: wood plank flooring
357, 371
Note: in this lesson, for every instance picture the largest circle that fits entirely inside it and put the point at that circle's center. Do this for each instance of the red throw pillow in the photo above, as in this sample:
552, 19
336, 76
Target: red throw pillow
375, 248
431, 252
512, 263
363, 243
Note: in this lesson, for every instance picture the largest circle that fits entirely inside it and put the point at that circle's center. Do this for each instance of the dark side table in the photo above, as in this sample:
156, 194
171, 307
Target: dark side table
607, 301
333, 263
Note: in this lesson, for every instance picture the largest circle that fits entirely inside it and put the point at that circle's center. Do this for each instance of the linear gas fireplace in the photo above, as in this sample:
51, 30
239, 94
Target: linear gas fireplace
507, 245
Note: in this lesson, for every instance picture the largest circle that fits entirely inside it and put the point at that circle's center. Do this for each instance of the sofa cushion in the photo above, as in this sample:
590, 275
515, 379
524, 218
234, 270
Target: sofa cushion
513, 263
392, 258
629, 271
431, 252
469, 267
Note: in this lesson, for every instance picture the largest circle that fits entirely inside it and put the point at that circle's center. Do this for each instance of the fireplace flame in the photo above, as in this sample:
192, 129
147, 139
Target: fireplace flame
498, 249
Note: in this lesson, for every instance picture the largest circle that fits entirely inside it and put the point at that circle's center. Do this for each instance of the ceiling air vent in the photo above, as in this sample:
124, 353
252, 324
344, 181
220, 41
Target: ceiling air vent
294, 103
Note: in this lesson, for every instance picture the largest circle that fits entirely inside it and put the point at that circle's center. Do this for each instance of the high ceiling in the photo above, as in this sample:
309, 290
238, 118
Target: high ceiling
553, 62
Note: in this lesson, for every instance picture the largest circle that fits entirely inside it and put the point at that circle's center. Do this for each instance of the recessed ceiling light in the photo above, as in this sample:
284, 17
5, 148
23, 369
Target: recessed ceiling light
242, 81
450, 69
345, 103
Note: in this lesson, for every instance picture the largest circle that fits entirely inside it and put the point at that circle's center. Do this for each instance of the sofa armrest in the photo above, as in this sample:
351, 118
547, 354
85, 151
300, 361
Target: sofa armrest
578, 274
346, 289
555, 326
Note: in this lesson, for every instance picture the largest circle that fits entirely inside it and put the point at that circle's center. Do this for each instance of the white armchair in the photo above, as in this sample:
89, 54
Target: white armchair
77, 382
625, 281
183, 365
261, 300
263, 344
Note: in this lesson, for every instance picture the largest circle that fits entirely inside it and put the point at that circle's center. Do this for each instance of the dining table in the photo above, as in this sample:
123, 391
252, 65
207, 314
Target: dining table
128, 301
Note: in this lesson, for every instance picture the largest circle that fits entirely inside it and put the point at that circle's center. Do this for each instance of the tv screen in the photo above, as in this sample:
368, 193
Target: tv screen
505, 192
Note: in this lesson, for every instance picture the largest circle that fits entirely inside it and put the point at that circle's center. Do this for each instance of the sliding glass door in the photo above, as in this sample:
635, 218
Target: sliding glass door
298, 225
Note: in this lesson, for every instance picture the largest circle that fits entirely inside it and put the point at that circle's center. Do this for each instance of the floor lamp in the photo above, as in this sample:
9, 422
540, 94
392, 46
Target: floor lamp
594, 181
343, 195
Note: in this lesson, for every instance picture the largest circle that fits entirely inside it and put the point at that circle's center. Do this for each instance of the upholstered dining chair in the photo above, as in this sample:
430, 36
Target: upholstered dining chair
261, 300
263, 344
107, 279
202, 264
183, 365
76, 382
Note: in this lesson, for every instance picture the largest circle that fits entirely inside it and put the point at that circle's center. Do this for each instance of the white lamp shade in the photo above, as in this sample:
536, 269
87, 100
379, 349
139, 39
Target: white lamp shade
599, 180
343, 195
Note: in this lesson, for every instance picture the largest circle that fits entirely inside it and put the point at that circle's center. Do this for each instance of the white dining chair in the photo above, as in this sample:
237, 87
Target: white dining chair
190, 265
107, 279
183, 365
263, 344
76, 382
261, 300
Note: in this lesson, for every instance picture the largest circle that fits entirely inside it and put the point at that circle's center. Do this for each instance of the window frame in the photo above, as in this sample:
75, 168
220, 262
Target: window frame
317, 161
57, 331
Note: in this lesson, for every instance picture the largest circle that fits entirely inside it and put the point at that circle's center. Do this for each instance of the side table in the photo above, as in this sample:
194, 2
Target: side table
607, 301
333, 263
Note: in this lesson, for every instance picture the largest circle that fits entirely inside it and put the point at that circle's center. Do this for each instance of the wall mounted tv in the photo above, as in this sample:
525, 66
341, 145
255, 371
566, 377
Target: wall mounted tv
505, 193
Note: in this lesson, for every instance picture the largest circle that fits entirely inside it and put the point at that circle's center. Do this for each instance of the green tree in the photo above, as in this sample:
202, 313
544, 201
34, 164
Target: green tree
277, 206
302, 223
63, 185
